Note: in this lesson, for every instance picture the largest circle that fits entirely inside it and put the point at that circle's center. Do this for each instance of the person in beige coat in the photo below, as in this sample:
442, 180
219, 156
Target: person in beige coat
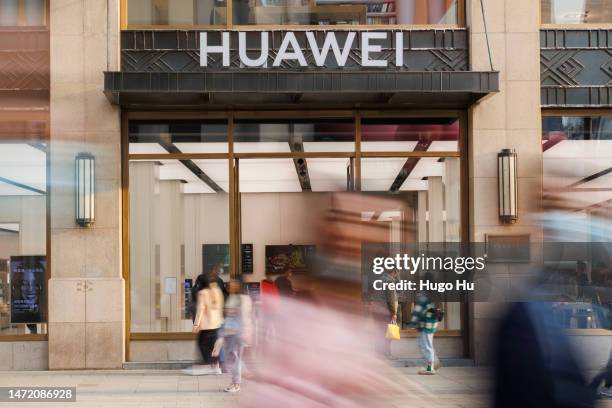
208, 320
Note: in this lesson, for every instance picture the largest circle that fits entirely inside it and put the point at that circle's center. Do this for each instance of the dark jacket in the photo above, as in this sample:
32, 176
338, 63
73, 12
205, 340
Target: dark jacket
535, 364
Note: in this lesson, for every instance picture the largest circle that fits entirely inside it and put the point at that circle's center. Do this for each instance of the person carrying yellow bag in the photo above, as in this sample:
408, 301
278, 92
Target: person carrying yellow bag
393, 331
384, 310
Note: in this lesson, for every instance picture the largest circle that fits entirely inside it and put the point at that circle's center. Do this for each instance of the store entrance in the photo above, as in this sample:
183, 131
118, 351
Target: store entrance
252, 196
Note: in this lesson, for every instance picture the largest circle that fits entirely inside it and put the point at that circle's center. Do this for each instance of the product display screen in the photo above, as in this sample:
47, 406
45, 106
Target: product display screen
297, 258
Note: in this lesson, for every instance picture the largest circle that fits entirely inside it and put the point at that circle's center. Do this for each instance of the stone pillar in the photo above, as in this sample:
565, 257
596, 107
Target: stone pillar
86, 289
508, 119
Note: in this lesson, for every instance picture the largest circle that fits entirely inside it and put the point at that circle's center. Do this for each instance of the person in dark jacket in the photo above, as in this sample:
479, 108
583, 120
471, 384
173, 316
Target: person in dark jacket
284, 285
535, 364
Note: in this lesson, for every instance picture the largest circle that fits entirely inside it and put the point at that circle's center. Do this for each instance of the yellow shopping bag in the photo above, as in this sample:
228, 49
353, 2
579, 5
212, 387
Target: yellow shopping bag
393, 331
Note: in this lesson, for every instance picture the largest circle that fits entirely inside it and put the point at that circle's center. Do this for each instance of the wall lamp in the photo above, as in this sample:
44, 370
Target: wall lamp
508, 186
85, 189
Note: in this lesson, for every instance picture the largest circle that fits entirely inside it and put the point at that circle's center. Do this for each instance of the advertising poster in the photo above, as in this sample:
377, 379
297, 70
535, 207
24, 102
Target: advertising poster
27, 275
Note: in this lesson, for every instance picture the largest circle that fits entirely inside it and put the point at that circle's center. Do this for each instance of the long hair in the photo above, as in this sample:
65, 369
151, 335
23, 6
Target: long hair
201, 282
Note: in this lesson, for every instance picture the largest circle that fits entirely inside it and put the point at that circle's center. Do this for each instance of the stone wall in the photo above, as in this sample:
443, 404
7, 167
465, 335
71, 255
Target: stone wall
86, 295
508, 119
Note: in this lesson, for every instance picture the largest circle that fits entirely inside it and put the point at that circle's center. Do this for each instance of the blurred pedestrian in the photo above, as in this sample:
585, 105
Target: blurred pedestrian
535, 363
603, 381
425, 317
208, 320
237, 331
384, 311
284, 285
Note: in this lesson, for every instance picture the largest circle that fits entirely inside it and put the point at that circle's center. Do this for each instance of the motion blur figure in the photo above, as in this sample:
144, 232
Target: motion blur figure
535, 363
322, 353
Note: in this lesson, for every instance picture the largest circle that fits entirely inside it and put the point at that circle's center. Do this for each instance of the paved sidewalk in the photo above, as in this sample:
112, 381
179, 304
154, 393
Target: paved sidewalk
452, 387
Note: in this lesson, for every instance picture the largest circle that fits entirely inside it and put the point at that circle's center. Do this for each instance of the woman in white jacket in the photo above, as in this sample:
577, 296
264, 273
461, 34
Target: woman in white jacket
208, 320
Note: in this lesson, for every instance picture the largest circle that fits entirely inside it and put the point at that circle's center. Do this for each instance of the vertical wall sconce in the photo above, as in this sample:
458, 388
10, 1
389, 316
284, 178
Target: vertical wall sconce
85, 189
508, 186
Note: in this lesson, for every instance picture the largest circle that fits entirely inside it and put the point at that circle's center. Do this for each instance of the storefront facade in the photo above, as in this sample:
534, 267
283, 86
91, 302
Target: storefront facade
224, 128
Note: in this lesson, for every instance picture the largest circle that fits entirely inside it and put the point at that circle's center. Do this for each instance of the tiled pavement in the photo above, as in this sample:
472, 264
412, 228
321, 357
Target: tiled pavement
452, 387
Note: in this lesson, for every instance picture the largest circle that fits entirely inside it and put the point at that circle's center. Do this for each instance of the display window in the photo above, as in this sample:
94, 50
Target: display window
579, 198
249, 193
23, 227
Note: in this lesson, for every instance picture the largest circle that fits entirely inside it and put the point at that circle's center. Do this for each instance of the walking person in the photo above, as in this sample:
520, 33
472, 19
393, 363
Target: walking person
237, 331
384, 311
208, 320
425, 320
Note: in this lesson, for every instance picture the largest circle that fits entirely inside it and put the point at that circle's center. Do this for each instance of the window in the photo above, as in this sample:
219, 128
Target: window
576, 11
344, 12
179, 218
176, 12
258, 206
413, 134
23, 199
294, 135
581, 194
318, 13
23, 13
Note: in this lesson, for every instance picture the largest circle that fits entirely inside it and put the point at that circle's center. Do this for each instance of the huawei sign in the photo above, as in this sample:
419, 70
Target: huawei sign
290, 49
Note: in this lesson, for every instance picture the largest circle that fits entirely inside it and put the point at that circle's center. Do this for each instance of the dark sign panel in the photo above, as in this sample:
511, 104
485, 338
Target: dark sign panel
28, 285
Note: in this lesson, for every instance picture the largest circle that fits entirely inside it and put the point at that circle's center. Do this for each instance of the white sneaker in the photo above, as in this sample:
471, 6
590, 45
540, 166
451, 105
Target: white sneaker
605, 392
232, 388
216, 371
197, 370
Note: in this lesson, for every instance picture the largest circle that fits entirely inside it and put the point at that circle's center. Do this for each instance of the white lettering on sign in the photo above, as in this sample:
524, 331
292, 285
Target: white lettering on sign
320, 55
285, 55
290, 49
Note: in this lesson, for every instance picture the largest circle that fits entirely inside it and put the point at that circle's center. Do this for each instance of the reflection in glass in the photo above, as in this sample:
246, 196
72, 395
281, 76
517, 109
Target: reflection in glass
22, 13
576, 11
9, 13
407, 135
176, 12
34, 12
344, 12
582, 195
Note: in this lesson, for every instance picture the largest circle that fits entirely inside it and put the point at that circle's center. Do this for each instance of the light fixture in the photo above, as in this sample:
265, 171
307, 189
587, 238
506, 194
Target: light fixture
507, 186
85, 189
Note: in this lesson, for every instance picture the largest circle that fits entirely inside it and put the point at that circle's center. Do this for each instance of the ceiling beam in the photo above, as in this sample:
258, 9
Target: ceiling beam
301, 167
591, 177
409, 165
166, 143
23, 186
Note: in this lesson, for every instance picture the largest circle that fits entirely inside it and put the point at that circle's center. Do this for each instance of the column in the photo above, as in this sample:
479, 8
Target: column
508, 119
86, 289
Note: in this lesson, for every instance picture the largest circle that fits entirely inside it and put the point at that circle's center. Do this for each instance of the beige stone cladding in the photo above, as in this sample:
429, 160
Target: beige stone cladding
508, 119
86, 289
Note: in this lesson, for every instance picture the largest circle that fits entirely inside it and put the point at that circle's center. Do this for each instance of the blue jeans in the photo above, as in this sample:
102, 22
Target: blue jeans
233, 348
426, 345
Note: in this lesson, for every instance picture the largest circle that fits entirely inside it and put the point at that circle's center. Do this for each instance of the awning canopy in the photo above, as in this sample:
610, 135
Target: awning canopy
271, 88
